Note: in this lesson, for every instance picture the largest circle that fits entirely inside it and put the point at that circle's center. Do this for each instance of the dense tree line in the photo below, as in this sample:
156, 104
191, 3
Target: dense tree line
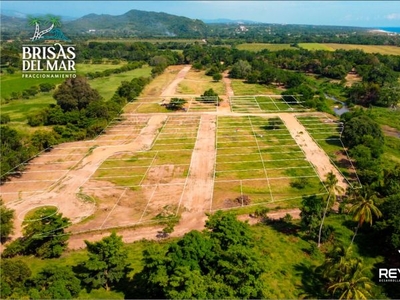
220, 262
373, 209
287, 68
292, 34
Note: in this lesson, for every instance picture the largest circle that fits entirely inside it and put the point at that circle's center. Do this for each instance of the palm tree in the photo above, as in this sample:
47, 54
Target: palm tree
54, 21
332, 187
364, 208
337, 263
354, 284
34, 21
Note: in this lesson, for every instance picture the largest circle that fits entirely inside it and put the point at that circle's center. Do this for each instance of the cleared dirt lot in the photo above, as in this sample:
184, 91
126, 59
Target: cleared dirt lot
142, 168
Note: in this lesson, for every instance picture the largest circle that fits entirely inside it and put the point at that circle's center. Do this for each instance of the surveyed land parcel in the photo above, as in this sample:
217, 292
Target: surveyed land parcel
150, 165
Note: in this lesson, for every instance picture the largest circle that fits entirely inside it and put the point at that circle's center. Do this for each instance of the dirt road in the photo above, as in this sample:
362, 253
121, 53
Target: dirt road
197, 196
313, 152
170, 90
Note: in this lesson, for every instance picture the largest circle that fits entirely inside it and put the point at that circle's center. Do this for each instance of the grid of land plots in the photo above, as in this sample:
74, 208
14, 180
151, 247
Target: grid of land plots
258, 161
143, 186
327, 134
43, 172
266, 103
158, 105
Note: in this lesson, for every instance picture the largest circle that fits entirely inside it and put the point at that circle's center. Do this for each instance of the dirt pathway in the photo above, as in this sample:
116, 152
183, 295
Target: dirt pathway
312, 151
170, 90
276, 215
224, 105
197, 196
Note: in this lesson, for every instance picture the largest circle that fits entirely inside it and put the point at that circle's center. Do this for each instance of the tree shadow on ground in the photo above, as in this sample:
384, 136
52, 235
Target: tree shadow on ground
282, 226
311, 284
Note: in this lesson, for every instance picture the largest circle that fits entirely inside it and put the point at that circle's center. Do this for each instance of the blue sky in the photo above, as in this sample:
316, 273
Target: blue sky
346, 13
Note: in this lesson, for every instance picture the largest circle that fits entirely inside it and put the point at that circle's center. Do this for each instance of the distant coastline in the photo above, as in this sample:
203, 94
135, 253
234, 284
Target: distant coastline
388, 29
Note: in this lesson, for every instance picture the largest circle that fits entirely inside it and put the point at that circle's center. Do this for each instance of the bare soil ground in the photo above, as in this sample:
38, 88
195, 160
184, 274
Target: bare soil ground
197, 196
70, 169
170, 90
352, 78
313, 152
390, 131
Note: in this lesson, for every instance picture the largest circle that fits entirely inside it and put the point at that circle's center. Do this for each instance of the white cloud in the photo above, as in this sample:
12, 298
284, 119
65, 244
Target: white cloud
393, 17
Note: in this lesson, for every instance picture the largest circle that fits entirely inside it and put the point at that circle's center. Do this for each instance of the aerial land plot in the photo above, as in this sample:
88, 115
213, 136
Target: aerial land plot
257, 161
273, 103
196, 82
202, 104
144, 107
242, 88
16, 190
327, 134
144, 185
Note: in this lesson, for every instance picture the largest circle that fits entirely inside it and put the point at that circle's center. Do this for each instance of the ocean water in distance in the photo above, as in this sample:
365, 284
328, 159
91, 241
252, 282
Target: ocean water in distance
390, 29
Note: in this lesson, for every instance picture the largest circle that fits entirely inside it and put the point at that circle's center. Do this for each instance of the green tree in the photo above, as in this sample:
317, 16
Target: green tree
363, 208
218, 263
43, 139
391, 181
217, 76
228, 231
13, 275
107, 263
55, 282
357, 130
4, 118
6, 222
46, 86
13, 150
240, 69
354, 285
311, 214
75, 94
176, 104
331, 185
389, 226
44, 235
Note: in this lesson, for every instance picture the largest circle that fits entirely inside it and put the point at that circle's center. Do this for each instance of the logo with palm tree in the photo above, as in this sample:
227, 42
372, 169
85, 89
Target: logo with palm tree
53, 32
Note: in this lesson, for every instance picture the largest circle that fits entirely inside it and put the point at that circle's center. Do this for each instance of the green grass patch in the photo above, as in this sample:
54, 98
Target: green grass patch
15, 83
83, 69
261, 46
242, 88
386, 116
19, 109
50, 209
124, 171
385, 50
151, 108
391, 151
315, 46
106, 86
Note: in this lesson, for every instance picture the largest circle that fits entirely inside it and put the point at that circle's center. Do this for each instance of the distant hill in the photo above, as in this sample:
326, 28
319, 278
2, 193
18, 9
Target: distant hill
228, 21
134, 23
137, 23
